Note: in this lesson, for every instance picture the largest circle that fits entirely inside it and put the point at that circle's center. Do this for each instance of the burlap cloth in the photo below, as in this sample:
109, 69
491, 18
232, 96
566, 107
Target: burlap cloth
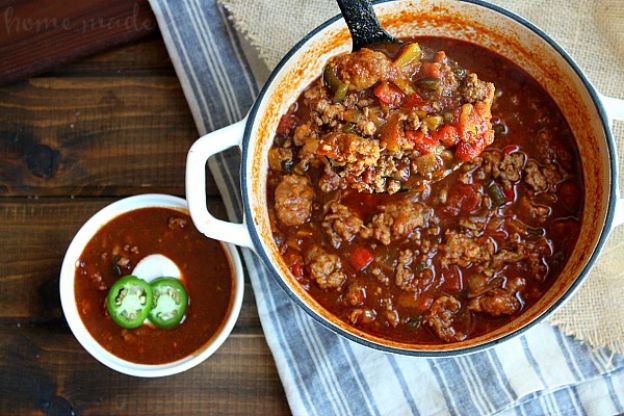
592, 31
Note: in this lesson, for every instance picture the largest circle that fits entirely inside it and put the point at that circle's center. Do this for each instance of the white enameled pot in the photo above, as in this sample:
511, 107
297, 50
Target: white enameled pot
589, 114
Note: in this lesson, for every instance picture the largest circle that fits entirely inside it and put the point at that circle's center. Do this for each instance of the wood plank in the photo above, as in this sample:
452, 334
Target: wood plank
35, 234
94, 136
45, 371
147, 57
37, 35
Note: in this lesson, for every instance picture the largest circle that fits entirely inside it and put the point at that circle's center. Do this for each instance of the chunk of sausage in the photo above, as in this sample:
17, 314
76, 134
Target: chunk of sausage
542, 179
341, 223
400, 220
293, 200
441, 316
475, 90
510, 166
349, 149
326, 269
534, 177
363, 68
404, 274
463, 250
495, 302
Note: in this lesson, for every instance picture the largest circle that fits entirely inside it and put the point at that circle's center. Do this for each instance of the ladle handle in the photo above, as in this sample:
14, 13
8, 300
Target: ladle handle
363, 23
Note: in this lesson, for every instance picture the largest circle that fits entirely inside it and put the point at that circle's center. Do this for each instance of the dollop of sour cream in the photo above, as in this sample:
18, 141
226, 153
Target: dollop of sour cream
154, 266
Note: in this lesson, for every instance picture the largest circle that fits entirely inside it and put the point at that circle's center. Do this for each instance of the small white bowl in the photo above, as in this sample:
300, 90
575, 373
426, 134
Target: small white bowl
70, 309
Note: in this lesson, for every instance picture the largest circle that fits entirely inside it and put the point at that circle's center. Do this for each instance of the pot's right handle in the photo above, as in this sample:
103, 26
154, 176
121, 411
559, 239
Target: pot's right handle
206, 146
615, 111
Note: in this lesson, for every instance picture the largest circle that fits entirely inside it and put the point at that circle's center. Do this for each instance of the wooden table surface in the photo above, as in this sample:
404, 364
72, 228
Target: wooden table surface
72, 141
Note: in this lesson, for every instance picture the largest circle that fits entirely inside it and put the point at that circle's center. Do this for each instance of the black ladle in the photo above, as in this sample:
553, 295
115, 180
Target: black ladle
363, 23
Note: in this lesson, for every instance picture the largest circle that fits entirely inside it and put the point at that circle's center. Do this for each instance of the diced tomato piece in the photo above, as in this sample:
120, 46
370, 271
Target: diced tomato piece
509, 149
424, 302
462, 198
510, 194
439, 56
430, 69
424, 144
570, 194
360, 258
466, 151
475, 132
387, 93
286, 123
447, 135
416, 101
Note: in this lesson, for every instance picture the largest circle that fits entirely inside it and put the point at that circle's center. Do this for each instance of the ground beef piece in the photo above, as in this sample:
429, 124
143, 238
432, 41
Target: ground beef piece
341, 223
552, 175
400, 220
440, 318
380, 275
404, 277
495, 302
280, 159
534, 177
463, 250
327, 112
539, 213
448, 81
329, 182
515, 284
537, 251
510, 167
541, 179
316, 91
367, 127
353, 152
510, 256
362, 316
304, 133
326, 269
385, 176
356, 295
293, 200
362, 69
474, 223
490, 162
474, 89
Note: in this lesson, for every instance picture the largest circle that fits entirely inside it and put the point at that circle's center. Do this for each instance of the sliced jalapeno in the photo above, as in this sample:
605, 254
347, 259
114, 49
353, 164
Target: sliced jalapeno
170, 301
129, 301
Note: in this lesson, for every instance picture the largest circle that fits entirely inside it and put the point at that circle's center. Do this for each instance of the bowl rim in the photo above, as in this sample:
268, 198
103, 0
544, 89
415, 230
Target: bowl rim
612, 197
79, 329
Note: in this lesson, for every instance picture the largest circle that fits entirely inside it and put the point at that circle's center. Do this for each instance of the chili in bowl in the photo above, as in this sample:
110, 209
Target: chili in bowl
404, 204
144, 292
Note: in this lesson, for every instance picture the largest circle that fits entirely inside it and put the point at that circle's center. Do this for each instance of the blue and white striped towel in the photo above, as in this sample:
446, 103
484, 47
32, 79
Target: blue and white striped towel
540, 373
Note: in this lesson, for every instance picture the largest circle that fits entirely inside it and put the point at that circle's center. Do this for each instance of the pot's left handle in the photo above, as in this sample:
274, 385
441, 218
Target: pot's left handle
206, 146
615, 111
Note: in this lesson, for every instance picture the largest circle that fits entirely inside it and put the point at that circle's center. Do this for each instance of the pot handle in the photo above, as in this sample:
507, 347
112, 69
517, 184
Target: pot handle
615, 111
199, 153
